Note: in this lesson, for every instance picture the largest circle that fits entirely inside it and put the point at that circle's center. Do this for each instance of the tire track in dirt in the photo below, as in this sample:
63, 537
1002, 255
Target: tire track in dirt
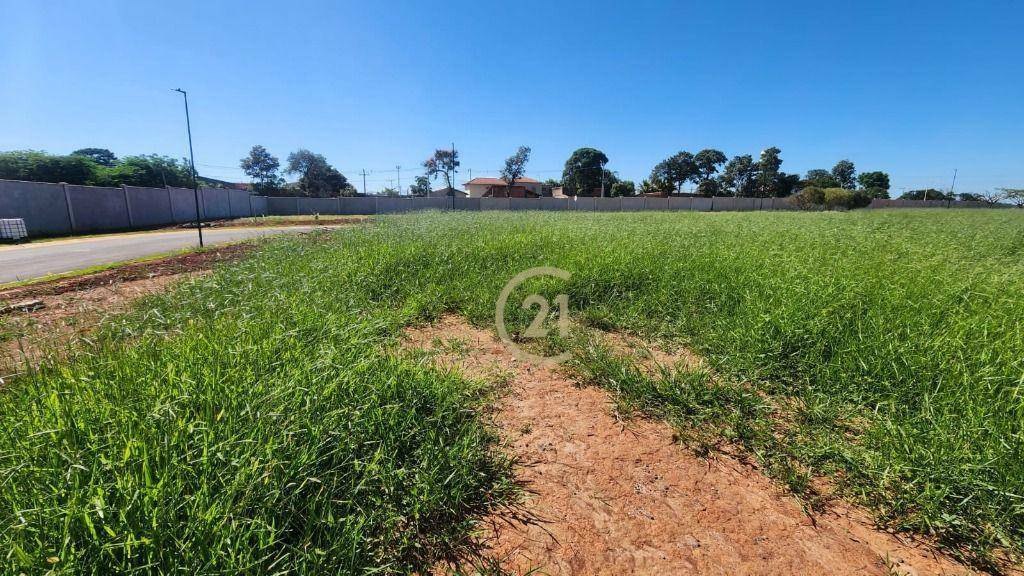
614, 497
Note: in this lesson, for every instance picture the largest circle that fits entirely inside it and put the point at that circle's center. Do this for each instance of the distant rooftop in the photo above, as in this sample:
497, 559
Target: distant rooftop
499, 181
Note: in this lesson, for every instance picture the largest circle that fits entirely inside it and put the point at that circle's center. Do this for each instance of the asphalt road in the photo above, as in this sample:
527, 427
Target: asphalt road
27, 261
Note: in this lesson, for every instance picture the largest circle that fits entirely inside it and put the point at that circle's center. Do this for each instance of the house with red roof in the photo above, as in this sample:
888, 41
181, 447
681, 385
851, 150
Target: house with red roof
498, 188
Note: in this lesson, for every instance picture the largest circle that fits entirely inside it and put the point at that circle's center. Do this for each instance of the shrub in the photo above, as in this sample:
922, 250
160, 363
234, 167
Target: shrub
809, 198
862, 198
838, 198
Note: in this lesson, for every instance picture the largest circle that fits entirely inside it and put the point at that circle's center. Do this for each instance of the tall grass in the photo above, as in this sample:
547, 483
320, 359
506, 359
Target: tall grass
249, 422
254, 420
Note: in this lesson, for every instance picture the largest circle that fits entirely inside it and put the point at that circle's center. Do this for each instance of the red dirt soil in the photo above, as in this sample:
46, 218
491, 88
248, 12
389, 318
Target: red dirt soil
622, 497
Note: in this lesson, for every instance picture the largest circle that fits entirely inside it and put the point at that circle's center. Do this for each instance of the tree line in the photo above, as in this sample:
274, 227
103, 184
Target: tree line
709, 172
712, 173
96, 167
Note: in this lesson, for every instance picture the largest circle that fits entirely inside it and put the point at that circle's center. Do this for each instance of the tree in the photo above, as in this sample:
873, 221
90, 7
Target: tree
147, 170
515, 167
785, 184
151, 170
708, 188
676, 170
389, 192
583, 172
317, 178
768, 172
652, 186
101, 156
623, 188
926, 194
420, 187
874, 180
844, 173
738, 177
36, 166
444, 163
1015, 195
988, 197
261, 166
706, 164
819, 178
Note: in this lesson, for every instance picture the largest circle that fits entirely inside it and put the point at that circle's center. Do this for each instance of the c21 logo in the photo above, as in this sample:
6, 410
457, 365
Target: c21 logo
536, 328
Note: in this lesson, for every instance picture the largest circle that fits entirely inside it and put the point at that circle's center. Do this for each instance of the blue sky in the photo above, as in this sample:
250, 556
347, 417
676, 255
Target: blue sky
917, 89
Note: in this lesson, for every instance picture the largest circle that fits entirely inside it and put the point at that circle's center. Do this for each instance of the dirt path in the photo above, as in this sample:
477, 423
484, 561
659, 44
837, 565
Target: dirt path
614, 497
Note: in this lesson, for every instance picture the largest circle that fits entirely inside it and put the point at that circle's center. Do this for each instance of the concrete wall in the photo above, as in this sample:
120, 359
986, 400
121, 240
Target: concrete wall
149, 207
43, 206
656, 204
702, 204
215, 203
444, 203
183, 205
630, 204
282, 206
239, 205
523, 204
309, 206
392, 205
554, 203
359, 205
585, 203
259, 205
471, 204
680, 203
55, 209
95, 208
495, 203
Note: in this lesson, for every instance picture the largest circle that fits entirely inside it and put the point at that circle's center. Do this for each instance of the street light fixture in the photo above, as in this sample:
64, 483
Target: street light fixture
192, 160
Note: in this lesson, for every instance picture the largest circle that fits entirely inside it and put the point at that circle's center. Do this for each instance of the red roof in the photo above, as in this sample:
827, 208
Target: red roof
500, 182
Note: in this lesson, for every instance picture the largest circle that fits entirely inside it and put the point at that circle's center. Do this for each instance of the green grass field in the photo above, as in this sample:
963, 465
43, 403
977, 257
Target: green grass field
259, 420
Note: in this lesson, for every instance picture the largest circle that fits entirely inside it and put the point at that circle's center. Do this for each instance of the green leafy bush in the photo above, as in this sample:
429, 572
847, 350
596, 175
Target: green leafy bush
838, 198
809, 198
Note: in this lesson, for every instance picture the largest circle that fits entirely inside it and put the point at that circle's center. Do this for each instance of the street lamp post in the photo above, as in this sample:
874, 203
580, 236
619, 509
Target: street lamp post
192, 160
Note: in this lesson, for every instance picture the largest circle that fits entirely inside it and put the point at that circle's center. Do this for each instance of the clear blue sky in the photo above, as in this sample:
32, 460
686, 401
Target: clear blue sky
913, 88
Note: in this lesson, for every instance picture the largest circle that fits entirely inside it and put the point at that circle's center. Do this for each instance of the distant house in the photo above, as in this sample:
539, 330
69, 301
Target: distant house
443, 192
498, 188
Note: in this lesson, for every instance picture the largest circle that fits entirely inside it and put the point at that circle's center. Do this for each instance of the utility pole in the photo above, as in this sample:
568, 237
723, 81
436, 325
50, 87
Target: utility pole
192, 160
399, 170
954, 182
364, 181
451, 183
602, 181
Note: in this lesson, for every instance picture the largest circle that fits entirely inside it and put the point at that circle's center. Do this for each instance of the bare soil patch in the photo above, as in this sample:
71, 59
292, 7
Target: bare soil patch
613, 496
